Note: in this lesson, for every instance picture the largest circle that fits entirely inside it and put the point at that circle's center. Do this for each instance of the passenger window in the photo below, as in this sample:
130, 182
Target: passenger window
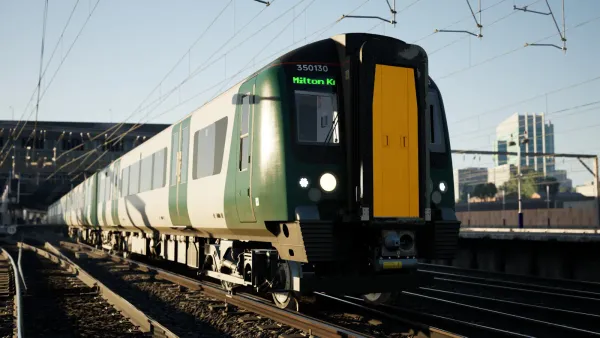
209, 145
146, 176
159, 169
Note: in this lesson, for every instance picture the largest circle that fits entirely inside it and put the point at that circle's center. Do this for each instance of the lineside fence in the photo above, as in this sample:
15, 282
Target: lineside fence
556, 190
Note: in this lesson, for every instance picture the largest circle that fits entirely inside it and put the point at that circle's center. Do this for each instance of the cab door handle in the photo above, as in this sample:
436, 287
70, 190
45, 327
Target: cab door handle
386, 140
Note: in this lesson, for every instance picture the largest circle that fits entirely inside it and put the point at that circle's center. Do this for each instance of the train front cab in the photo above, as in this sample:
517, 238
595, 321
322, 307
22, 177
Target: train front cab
390, 213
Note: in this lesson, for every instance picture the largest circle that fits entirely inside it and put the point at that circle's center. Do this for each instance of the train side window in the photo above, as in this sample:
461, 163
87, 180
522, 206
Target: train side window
125, 182
209, 145
146, 175
158, 175
134, 178
437, 142
244, 139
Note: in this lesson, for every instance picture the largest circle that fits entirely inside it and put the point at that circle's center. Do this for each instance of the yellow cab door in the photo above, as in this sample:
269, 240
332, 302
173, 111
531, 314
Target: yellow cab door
395, 143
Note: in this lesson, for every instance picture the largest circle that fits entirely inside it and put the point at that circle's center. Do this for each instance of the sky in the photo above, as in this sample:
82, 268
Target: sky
119, 60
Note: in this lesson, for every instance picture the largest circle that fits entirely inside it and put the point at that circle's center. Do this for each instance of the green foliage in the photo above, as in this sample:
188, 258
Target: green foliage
528, 186
532, 182
485, 191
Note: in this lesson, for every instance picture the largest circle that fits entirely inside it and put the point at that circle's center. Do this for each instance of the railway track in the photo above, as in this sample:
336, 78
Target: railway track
10, 298
337, 324
63, 300
512, 305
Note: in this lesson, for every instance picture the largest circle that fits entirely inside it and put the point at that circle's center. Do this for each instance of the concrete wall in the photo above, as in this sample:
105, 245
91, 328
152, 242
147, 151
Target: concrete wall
565, 217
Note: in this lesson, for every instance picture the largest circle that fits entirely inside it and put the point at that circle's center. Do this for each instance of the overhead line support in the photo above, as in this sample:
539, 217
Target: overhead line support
563, 34
392, 10
477, 23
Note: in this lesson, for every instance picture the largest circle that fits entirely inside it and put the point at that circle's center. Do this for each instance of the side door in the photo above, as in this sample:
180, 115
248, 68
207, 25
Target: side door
179, 163
243, 177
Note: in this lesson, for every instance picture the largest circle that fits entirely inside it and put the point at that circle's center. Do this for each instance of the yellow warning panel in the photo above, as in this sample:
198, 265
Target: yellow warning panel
395, 143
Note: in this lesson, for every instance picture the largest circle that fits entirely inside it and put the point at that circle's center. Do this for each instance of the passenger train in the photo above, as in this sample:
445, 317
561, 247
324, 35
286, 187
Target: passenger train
327, 170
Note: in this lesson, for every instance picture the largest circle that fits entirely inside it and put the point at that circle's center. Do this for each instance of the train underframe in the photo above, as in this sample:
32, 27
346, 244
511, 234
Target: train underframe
375, 262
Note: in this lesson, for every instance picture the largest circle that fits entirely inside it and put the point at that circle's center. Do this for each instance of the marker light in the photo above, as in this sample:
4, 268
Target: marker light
443, 186
304, 182
328, 182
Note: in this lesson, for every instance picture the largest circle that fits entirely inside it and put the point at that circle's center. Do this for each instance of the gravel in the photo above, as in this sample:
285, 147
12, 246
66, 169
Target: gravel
56, 303
187, 313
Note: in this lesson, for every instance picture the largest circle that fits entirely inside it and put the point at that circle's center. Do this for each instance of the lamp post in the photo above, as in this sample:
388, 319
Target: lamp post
523, 140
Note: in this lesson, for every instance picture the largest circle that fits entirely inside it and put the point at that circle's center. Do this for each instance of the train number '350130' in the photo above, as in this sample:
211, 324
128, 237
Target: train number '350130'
312, 68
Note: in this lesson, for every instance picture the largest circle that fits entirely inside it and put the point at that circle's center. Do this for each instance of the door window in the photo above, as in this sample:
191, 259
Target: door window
244, 139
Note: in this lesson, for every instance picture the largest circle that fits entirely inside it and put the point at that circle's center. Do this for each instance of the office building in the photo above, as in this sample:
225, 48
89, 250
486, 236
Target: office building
541, 140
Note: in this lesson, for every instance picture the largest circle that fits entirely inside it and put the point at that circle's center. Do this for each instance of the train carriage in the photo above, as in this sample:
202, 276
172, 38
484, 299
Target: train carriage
327, 170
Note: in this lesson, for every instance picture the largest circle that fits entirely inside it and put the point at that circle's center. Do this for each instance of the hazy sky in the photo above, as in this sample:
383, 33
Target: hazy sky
128, 47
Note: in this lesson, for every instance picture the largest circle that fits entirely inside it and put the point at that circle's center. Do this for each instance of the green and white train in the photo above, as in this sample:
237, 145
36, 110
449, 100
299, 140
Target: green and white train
327, 170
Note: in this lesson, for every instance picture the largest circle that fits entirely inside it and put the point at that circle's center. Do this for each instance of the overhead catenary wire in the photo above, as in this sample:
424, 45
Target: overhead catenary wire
459, 21
139, 124
35, 89
558, 90
162, 98
136, 126
233, 76
466, 36
52, 79
581, 24
39, 87
113, 129
537, 122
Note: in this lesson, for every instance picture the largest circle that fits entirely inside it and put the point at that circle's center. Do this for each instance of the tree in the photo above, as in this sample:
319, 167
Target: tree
490, 190
479, 191
484, 191
528, 185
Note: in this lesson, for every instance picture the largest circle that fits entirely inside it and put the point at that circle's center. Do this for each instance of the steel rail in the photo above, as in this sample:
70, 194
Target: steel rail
18, 297
296, 320
145, 322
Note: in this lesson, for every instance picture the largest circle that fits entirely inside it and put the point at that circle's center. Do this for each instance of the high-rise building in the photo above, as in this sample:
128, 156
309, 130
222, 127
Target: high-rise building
541, 140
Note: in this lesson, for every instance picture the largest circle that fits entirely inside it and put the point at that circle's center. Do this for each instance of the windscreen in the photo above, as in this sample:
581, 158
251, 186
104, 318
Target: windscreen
317, 118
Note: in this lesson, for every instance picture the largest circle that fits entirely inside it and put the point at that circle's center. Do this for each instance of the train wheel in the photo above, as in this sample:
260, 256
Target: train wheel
378, 298
285, 299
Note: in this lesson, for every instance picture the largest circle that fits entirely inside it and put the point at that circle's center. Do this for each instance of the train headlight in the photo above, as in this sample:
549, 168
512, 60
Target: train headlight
328, 182
304, 182
443, 186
